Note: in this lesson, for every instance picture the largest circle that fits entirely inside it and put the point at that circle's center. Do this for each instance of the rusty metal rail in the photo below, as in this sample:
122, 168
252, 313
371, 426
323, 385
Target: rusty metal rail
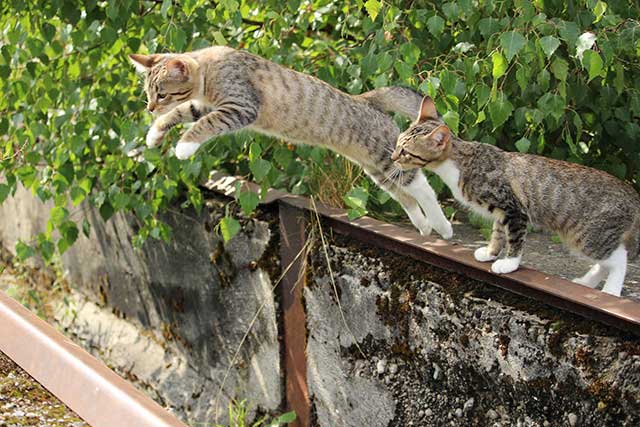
103, 399
88, 387
555, 291
294, 211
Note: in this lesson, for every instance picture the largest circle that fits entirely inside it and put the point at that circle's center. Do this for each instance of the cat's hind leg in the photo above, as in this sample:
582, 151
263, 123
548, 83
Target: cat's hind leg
593, 277
616, 265
421, 191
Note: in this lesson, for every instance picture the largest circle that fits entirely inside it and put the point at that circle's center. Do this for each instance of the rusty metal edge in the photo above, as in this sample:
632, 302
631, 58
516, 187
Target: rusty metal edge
621, 313
293, 224
96, 393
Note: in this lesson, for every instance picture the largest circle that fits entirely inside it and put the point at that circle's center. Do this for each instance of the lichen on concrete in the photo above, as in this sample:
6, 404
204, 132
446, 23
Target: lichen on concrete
440, 349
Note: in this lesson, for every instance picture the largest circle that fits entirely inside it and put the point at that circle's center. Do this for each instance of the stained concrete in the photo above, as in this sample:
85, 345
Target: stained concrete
170, 317
436, 349
409, 345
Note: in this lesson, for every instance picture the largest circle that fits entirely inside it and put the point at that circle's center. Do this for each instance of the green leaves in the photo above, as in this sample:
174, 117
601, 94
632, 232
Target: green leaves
518, 74
258, 166
592, 62
435, 24
523, 145
552, 104
599, 10
560, 69
500, 110
23, 250
285, 418
499, 65
452, 119
356, 200
177, 38
585, 41
248, 201
512, 42
549, 45
373, 8
229, 227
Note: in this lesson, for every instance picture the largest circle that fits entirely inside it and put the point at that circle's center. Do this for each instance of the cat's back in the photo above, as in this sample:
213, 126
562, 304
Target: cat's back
550, 187
302, 107
293, 105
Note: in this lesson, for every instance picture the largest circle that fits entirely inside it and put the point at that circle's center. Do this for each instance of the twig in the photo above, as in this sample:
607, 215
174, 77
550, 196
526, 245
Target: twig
252, 323
333, 283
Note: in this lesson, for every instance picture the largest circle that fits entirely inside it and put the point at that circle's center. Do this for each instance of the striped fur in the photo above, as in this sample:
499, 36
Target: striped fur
223, 90
595, 214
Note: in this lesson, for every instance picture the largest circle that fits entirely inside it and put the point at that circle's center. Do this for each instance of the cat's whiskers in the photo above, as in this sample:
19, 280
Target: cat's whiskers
391, 176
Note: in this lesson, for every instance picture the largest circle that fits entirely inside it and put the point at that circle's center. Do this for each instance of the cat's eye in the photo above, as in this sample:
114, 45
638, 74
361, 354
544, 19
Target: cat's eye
162, 95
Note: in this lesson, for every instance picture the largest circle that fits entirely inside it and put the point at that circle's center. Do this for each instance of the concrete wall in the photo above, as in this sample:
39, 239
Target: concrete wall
436, 349
409, 345
170, 317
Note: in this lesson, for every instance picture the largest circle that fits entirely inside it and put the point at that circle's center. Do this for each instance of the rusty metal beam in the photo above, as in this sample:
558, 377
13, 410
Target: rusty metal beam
293, 224
87, 386
621, 313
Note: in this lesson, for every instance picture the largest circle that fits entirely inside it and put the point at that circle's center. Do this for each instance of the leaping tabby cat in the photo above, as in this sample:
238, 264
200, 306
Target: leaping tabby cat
224, 90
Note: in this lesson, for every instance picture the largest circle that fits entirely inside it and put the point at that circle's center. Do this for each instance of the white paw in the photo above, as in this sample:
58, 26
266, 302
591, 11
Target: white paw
483, 255
184, 150
135, 152
580, 281
505, 265
154, 137
446, 232
615, 292
588, 282
425, 230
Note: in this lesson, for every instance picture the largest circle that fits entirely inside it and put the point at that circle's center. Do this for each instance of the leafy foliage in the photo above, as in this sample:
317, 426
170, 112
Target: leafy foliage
558, 78
238, 417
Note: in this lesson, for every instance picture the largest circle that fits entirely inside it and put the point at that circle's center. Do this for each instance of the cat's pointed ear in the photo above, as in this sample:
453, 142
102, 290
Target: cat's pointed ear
427, 110
440, 136
143, 62
177, 69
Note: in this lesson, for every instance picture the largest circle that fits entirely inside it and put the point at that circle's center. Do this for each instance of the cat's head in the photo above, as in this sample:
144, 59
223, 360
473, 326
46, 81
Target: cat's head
170, 79
427, 140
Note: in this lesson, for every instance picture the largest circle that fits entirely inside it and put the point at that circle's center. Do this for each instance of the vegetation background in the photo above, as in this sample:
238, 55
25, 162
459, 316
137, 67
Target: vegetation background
557, 78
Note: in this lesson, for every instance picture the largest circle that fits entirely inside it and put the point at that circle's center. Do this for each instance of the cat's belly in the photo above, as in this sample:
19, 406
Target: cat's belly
357, 153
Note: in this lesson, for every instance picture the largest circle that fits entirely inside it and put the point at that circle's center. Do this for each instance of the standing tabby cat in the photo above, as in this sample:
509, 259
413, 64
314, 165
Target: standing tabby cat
224, 90
593, 212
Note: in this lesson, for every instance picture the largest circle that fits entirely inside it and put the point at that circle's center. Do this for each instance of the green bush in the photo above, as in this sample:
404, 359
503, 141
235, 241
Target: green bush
558, 78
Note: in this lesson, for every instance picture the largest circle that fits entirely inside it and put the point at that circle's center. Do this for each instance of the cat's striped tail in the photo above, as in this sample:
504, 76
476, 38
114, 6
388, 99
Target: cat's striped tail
395, 99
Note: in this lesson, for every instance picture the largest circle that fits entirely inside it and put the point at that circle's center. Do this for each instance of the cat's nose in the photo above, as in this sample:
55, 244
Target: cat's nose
151, 106
396, 154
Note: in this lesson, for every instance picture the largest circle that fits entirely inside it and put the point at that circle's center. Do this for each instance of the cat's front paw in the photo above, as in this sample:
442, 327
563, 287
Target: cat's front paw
425, 230
184, 150
483, 254
154, 137
505, 265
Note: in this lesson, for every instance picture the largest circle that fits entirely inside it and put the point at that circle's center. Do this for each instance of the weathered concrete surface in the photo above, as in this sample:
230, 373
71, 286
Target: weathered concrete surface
180, 310
421, 347
440, 350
